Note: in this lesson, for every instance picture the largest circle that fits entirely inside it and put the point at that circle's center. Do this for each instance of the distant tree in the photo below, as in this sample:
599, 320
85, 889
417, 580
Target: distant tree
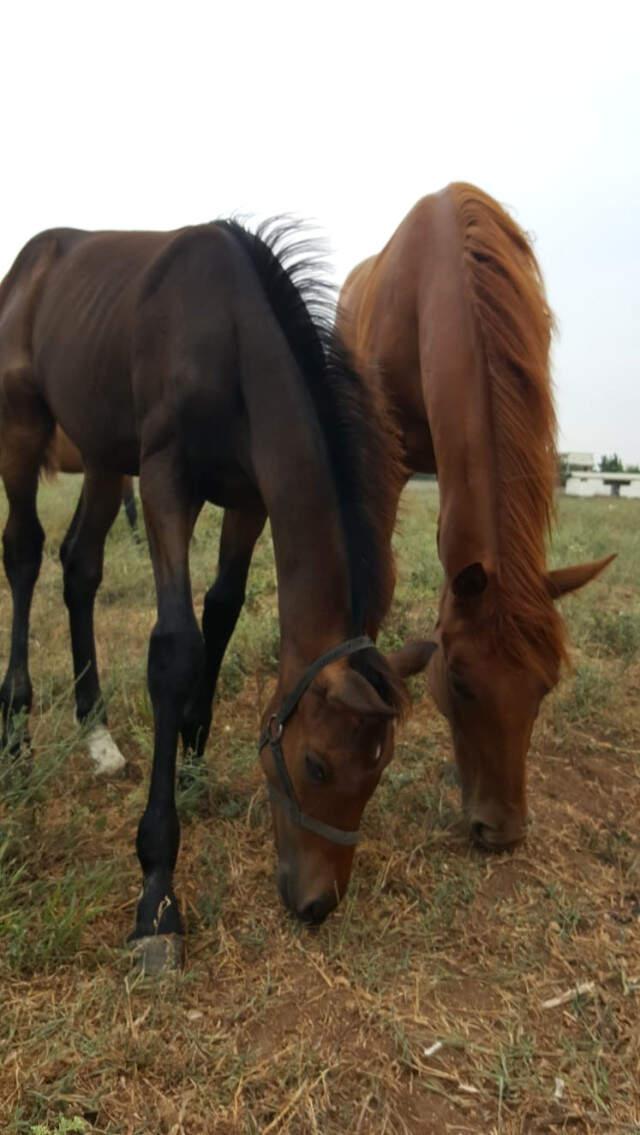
611, 464
632, 468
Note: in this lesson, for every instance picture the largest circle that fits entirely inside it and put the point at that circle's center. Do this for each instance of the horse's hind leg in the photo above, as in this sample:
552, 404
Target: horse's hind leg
82, 555
22, 453
222, 605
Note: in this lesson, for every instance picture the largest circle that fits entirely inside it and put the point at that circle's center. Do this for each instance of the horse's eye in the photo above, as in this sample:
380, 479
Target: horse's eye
460, 688
316, 769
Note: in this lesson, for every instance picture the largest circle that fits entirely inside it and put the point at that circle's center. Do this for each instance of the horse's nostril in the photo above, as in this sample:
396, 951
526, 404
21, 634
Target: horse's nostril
496, 839
478, 830
315, 912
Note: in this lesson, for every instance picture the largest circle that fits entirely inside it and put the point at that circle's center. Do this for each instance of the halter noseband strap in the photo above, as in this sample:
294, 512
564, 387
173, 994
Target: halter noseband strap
285, 795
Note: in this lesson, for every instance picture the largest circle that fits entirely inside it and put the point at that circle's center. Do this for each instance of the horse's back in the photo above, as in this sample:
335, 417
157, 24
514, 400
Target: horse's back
378, 307
123, 333
82, 341
124, 325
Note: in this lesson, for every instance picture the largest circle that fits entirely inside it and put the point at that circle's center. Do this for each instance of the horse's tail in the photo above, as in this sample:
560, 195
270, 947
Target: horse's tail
514, 325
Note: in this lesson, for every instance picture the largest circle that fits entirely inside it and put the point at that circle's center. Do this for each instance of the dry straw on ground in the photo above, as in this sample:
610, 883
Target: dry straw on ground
451, 992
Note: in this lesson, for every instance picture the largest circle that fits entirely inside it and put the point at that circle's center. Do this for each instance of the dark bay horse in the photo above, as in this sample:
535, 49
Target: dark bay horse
451, 319
204, 361
67, 459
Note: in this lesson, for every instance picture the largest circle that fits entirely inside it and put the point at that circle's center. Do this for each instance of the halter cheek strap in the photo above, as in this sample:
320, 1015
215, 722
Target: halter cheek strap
285, 795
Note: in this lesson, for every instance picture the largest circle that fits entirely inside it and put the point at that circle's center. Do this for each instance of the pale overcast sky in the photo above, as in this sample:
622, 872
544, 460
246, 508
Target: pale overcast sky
155, 115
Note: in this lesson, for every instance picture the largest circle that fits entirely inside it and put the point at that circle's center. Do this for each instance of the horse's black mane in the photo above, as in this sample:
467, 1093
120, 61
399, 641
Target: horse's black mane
359, 438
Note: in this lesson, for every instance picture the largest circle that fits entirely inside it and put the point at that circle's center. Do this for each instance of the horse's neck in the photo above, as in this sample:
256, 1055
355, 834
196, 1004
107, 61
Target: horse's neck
457, 398
458, 410
311, 561
411, 321
297, 486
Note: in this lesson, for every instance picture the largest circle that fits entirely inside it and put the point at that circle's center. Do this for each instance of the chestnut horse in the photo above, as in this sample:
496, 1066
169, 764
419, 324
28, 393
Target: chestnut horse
451, 318
66, 458
204, 361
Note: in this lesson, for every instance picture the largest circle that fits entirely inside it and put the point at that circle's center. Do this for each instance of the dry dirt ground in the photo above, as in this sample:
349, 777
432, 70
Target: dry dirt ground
451, 992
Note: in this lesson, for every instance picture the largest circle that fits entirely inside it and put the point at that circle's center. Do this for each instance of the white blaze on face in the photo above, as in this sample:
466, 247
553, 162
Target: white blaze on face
379, 750
103, 751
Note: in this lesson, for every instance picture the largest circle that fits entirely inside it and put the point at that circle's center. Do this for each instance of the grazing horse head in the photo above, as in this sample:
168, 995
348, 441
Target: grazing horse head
329, 467
324, 749
488, 677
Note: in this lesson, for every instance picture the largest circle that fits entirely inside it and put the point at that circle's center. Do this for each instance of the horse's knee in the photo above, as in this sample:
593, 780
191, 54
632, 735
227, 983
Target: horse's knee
82, 579
22, 551
176, 658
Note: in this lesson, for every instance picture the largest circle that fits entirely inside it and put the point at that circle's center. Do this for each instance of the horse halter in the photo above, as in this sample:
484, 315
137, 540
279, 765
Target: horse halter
285, 796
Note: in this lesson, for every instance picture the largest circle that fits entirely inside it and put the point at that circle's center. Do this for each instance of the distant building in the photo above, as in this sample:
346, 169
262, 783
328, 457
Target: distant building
589, 484
582, 462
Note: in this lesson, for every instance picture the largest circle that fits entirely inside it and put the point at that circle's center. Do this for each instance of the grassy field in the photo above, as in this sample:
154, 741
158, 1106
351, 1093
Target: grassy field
422, 1004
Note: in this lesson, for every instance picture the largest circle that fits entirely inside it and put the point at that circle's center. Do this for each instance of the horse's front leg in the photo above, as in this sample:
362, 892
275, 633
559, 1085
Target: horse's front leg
176, 657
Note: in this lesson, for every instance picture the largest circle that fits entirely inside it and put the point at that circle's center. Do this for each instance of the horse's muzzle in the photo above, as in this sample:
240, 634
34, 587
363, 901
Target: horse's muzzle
313, 912
497, 839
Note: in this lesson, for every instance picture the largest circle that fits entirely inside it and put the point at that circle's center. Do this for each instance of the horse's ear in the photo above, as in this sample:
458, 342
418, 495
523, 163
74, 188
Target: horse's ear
562, 581
470, 582
347, 689
412, 657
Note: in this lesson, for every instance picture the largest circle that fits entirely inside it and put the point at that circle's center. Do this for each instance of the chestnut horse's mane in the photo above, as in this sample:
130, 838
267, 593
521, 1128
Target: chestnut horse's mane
514, 327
